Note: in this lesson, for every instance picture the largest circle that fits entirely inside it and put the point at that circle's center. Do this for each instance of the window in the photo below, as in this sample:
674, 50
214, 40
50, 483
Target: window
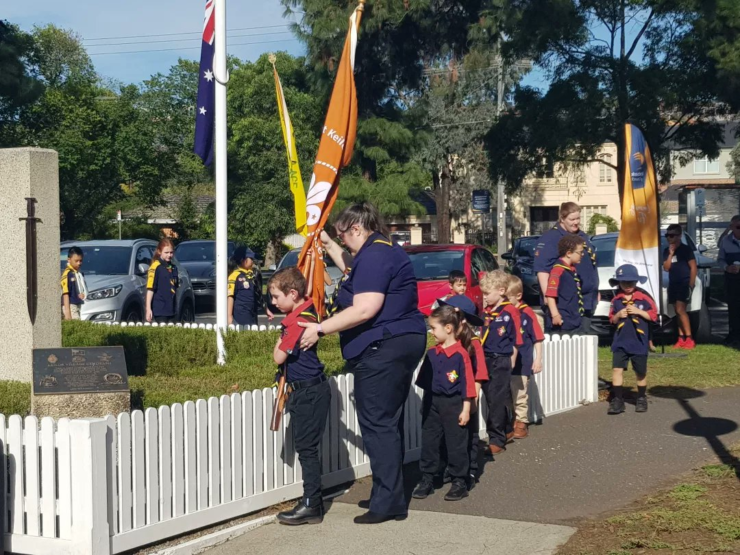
587, 212
705, 165
606, 173
435, 265
482, 261
102, 261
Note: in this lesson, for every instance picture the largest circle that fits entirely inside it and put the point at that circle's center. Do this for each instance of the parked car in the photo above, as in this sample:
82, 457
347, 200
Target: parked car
433, 264
521, 262
701, 324
115, 275
291, 259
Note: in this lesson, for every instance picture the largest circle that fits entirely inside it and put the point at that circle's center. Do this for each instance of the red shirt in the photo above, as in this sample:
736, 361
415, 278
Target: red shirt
447, 372
301, 365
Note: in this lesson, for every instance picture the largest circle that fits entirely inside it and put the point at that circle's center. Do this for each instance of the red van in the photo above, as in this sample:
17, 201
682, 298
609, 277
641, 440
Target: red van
433, 264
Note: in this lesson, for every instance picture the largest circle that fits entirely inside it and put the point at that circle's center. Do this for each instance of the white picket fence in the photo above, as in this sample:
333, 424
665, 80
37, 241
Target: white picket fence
187, 326
102, 486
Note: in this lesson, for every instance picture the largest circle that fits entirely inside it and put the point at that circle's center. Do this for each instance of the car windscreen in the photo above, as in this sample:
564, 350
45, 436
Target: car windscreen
434, 265
102, 261
525, 247
199, 252
291, 259
605, 247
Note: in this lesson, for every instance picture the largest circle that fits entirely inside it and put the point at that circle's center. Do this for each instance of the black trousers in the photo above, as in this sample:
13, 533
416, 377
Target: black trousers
246, 318
308, 410
163, 319
498, 397
732, 297
439, 423
383, 374
473, 445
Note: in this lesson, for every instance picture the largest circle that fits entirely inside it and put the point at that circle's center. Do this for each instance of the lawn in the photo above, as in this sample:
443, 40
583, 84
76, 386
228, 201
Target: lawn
701, 514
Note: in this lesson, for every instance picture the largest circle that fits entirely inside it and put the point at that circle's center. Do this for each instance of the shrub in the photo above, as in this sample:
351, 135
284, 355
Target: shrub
611, 223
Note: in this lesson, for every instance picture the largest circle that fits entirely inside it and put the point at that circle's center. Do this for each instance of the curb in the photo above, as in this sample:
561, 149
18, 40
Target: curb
199, 545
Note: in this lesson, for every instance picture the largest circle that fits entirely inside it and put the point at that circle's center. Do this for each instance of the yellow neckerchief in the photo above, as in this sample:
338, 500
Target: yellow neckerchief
577, 279
635, 319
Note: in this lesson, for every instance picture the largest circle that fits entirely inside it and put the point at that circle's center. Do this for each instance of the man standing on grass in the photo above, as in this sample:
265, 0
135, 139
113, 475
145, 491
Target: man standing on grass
729, 261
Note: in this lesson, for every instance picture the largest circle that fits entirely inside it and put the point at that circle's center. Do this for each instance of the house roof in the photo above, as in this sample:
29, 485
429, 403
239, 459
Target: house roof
728, 139
166, 213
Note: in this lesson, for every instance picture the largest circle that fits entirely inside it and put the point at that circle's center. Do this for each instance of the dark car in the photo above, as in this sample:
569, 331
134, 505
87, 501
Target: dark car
521, 263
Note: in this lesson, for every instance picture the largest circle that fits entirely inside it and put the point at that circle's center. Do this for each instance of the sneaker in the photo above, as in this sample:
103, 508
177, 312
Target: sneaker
616, 406
447, 477
689, 344
680, 343
641, 404
458, 491
423, 489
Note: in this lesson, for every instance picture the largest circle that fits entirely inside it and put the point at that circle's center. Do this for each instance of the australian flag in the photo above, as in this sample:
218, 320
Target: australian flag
205, 109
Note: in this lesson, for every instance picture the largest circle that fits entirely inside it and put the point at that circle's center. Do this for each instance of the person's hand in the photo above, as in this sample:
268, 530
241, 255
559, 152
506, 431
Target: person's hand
464, 418
733, 269
692, 285
622, 313
82, 296
537, 366
672, 248
557, 319
269, 313
149, 315
325, 239
632, 309
310, 337
231, 320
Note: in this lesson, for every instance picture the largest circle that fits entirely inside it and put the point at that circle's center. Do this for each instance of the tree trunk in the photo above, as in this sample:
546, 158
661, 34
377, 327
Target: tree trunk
443, 184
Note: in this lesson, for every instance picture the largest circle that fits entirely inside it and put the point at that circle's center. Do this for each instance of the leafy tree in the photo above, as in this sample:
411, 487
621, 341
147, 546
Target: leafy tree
610, 62
611, 223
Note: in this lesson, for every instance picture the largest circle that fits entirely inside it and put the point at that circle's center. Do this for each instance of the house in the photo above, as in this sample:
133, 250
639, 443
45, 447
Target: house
165, 216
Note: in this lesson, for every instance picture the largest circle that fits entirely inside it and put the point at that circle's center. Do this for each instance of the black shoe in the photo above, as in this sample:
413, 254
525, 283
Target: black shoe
375, 518
423, 489
446, 477
616, 406
300, 514
364, 504
641, 404
472, 480
458, 491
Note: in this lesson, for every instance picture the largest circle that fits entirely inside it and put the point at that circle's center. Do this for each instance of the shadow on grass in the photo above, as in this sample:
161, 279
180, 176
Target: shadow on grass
696, 425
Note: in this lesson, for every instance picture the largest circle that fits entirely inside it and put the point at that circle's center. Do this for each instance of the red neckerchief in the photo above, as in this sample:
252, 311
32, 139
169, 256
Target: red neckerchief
636, 296
292, 318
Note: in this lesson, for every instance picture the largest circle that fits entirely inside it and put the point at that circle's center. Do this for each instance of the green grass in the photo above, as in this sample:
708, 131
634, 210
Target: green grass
705, 367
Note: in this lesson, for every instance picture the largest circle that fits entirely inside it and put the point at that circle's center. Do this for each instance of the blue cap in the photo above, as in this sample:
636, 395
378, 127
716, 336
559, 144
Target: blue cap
242, 253
626, 272
464, 305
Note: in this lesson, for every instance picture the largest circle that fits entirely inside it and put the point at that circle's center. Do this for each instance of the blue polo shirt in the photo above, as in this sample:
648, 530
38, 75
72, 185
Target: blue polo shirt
729, 252
503, 330
564, 284
633, 333
301, 365
531, 334
381, 267
162, 279
243, 287
680, 273
447, 372
546, 256
70, 286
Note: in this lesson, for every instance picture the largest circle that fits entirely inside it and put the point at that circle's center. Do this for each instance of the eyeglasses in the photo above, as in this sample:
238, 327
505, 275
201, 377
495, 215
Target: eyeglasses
669, 235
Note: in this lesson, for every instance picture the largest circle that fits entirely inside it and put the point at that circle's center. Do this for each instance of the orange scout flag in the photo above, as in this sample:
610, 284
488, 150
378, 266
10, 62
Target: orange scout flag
335, 152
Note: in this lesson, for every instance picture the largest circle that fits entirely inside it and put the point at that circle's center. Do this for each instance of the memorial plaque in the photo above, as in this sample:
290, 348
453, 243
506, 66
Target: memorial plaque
79, 370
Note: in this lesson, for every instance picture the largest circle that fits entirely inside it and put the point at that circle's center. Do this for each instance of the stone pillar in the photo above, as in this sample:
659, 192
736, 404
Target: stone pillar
29, 172
416, 235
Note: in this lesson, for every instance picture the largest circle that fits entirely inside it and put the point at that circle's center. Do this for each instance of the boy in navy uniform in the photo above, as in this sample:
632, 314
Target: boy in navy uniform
310, 394
632, 311
502, 337
680, 263
73, 295
563, 295
245, 295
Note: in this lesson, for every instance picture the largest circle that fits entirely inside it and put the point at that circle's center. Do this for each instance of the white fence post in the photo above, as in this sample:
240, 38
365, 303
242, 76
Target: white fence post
90, 531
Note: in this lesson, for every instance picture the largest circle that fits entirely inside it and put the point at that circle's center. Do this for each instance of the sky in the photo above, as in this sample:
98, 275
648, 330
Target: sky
178, 24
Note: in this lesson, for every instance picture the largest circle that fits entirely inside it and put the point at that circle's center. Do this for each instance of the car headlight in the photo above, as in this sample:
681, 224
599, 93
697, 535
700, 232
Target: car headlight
526, 271
106, 293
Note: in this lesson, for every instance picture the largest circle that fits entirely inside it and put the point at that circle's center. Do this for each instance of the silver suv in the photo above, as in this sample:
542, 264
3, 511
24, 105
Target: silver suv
115, 276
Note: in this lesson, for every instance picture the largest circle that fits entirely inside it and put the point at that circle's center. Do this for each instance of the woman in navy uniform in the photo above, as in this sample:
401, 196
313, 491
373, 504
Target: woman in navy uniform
245, 290
383, 338
546, 256
161, 285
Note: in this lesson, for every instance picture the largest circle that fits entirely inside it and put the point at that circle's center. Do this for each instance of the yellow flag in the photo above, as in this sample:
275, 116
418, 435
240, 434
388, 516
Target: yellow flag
294, 170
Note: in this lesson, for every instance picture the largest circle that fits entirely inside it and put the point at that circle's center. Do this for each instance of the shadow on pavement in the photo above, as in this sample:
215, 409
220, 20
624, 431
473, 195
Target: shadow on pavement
696, 425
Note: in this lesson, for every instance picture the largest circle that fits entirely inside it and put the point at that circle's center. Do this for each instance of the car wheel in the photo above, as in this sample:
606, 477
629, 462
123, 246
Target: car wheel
187, 314
132, 314
701, 324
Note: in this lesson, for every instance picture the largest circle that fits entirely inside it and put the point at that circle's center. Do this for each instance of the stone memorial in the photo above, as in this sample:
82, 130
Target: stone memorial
89, 382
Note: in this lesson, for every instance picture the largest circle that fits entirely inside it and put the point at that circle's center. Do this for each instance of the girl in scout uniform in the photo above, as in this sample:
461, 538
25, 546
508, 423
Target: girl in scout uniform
161, 285
244, 289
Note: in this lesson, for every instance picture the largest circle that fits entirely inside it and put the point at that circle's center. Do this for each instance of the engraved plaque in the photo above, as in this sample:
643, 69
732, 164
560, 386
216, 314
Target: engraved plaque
79, 370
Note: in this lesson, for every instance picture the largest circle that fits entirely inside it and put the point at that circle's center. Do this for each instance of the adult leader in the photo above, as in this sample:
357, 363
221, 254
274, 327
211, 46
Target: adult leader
546, 255
383, 338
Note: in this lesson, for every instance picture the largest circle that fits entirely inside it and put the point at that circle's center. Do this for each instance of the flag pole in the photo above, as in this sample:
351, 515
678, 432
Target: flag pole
221, 78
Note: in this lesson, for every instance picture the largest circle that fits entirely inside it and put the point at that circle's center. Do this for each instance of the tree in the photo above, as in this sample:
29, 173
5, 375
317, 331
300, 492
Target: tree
610, 62
611, 223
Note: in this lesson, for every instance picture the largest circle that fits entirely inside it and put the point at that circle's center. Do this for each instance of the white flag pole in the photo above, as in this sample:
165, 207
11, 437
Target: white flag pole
221, 77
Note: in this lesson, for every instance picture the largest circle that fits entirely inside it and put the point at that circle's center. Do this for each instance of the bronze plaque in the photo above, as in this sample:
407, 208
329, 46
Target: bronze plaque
79, 370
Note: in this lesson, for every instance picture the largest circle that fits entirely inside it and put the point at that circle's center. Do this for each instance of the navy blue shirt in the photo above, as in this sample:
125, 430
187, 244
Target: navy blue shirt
546, 256
447, 372
381, 267
245, 290
301, 365
680, 273
531, 334
162, 279
503, 330
632, 333
564, 284
70, 286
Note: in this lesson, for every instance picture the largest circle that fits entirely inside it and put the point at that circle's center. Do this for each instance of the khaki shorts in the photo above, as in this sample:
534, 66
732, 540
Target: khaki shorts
74, 310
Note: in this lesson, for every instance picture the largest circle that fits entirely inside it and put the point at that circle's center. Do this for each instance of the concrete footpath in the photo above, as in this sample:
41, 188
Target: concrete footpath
576, 465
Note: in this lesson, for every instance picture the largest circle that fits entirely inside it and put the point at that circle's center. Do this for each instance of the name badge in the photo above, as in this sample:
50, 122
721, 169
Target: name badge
674, 259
